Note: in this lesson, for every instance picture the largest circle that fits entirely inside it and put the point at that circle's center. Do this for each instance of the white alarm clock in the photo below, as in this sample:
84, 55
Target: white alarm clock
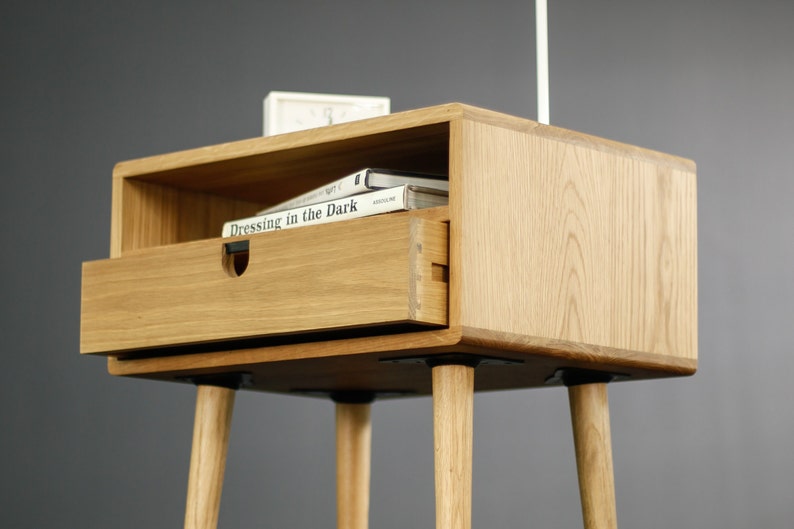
292, 111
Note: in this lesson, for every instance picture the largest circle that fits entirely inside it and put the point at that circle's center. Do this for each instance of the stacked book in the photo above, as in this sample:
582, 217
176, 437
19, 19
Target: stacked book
361, 194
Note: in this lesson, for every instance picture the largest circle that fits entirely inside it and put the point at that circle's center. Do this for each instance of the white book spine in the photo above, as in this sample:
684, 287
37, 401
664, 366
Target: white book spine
361, 205
344, 187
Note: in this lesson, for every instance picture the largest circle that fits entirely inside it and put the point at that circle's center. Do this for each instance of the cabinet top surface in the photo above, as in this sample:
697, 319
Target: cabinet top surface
424, 121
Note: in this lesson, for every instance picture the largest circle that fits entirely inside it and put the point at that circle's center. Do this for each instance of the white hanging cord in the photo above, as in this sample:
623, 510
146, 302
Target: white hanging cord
542, 48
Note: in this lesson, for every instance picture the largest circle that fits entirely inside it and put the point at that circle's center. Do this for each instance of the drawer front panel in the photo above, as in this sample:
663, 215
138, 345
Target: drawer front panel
383, 271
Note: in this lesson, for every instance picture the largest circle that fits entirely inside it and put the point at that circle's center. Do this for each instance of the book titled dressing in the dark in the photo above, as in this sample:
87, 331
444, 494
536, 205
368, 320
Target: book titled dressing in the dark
400, 198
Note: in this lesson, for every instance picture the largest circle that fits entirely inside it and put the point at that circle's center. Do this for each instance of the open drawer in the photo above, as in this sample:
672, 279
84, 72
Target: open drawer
385, 274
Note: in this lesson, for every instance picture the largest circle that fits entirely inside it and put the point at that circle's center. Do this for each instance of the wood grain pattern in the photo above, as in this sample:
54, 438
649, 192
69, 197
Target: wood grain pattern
595, 248
351, 274
453, 427
214, 406
593, 444
353, 462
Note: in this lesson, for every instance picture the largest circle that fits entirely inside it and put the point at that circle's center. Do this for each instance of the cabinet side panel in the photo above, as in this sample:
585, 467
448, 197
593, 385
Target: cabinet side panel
566, 241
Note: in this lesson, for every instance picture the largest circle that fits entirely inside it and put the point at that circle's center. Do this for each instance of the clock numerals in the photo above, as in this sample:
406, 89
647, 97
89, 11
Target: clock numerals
326, 116
333, 117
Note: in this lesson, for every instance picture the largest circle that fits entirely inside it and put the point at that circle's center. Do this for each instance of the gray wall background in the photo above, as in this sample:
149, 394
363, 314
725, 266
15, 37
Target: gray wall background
88, 83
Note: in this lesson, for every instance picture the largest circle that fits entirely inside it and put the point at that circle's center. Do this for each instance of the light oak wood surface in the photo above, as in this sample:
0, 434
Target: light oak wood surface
453, 430
353, 463
594, 248
378, 272
214, 407
593, 445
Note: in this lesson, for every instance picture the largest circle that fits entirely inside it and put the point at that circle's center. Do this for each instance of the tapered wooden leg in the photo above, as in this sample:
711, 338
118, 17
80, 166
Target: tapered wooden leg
593, 443
453, 415
211, 428
353, 453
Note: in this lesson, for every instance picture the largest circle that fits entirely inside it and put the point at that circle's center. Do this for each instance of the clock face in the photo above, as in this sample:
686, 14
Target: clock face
292, 111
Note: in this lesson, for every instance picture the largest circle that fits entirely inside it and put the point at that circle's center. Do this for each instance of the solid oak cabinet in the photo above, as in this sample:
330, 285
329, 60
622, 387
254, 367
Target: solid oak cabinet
557, 250
558, 253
